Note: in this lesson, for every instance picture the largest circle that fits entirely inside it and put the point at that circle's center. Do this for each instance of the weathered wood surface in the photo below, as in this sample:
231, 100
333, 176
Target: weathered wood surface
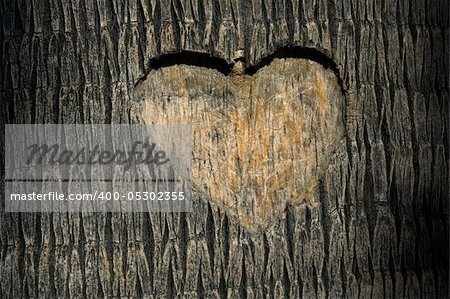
381, 229
261, 142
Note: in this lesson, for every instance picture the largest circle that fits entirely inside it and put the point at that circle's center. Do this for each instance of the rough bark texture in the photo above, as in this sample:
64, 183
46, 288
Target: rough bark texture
381, 228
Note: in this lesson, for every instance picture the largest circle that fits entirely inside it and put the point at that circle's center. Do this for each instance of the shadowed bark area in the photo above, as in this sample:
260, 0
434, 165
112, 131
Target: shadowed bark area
381, 228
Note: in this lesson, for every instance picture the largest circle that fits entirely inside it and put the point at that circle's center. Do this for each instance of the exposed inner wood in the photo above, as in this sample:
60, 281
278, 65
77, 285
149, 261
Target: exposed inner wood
259, 142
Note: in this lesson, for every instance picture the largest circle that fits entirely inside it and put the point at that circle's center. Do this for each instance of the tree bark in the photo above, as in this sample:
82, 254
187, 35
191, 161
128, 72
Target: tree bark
381, 226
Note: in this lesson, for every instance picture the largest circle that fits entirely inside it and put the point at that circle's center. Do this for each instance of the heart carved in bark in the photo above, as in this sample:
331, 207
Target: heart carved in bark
260, 142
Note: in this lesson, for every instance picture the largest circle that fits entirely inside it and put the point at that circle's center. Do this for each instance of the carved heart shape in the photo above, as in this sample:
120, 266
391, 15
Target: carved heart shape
259, 142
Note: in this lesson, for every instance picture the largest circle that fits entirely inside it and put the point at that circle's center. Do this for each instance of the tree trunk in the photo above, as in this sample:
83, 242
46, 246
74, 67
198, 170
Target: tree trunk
379, 225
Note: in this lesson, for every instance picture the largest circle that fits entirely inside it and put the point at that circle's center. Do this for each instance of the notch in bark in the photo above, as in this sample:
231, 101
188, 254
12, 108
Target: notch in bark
261, 141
